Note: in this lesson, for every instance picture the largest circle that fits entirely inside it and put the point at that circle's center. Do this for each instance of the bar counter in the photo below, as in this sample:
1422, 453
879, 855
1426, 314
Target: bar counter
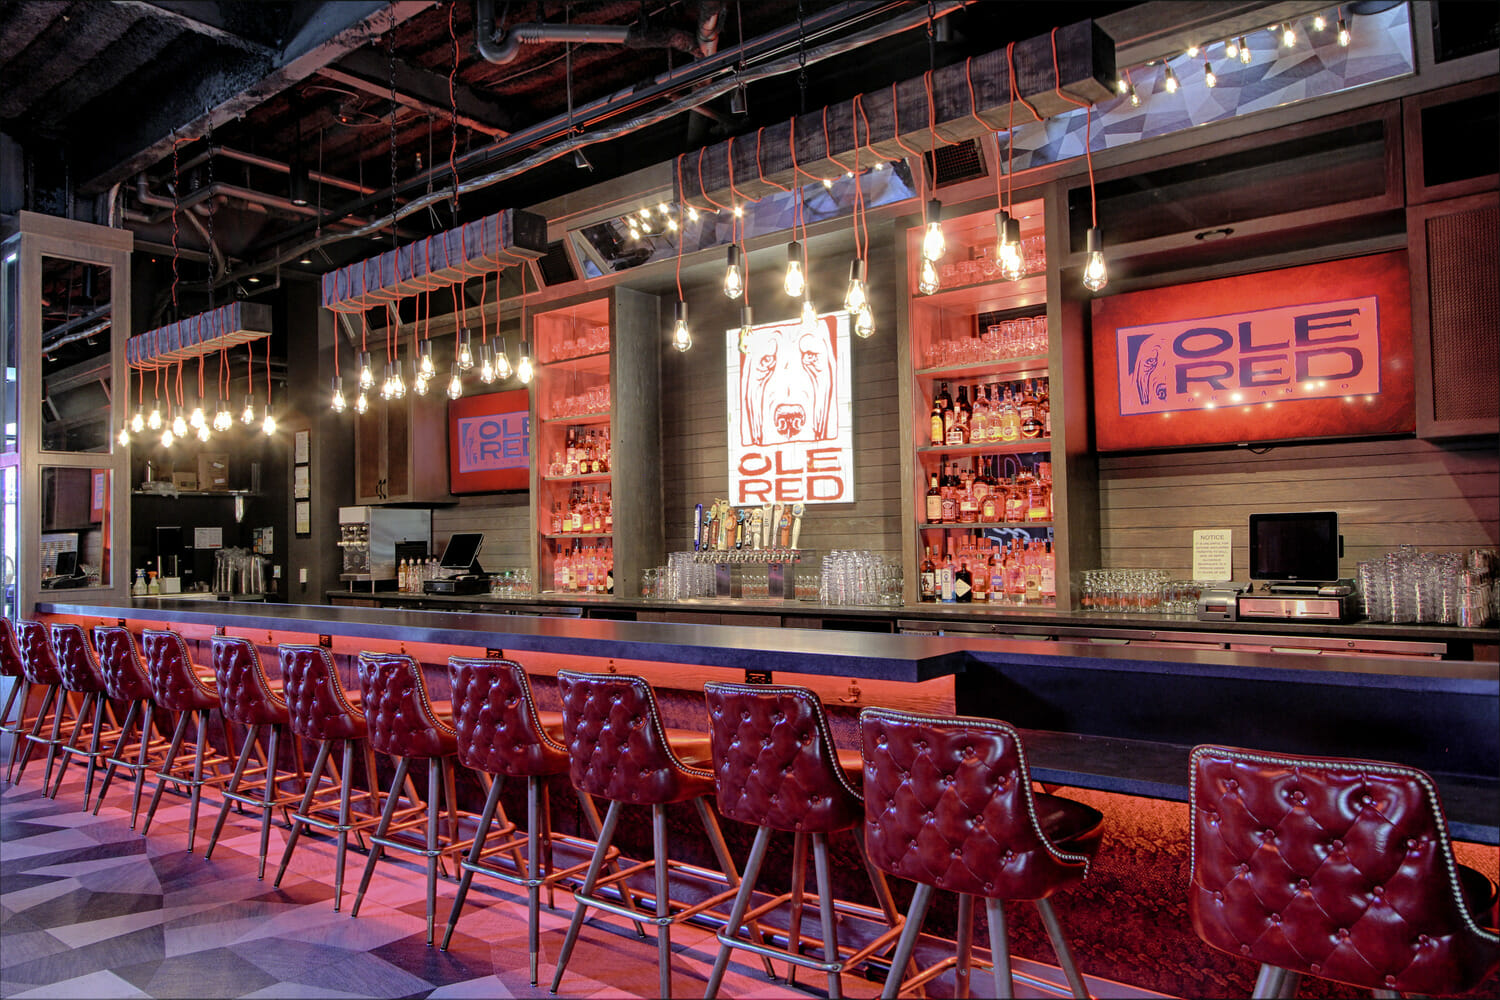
1107, 716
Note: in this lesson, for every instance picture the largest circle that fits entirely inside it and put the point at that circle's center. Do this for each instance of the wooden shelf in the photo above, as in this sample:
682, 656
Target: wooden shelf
1022, 447
930, 526
583, 418
578, 534
1032, 366
992, 295
592, 477
576, 358
194, 493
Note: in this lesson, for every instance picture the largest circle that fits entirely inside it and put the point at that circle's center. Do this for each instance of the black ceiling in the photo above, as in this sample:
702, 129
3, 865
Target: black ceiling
98, 94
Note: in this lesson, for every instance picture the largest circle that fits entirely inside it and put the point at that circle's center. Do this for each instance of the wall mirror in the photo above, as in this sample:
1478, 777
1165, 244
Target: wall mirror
76, 356
77, 527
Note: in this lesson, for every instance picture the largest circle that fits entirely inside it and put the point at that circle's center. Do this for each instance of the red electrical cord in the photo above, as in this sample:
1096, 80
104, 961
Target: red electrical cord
759, 167
921, 172
1088, 128
682, 229
268, 373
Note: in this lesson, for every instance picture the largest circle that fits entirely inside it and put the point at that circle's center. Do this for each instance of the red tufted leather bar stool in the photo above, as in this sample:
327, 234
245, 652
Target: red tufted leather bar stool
178, 686
124, 676
405, 725
502, 735
619, 751
13, 668
39, 665
79, 670
1335, 868
777, 768
949, 805
247, 699
320, 711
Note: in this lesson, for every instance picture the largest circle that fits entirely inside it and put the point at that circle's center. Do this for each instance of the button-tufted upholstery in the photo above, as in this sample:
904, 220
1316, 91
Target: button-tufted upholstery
1333, 867
245, 695
314, 697
617, 747
38, 662
10, 650
948, 802
775, 762
120, 664
402, 720
175, 684
76, 664
496, 722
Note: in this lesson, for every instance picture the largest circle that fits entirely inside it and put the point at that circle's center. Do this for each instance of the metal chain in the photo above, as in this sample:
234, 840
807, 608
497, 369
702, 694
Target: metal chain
210, 139
801, 60
176, 207
931, 37
390, 48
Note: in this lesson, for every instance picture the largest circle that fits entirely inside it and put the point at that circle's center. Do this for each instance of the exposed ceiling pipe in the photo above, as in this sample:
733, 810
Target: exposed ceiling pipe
707, 92
144, 195
257, 199
505, 46
710, 23
265, 162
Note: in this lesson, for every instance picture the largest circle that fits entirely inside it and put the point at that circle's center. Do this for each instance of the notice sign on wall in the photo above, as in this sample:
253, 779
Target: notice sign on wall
1319, 351
791, 435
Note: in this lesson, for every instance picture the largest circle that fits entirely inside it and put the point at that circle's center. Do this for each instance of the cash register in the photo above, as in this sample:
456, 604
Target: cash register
460, 566
1296, 555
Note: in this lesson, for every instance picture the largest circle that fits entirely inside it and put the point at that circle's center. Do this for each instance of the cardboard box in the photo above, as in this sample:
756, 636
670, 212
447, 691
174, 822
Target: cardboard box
213, 470
185, 480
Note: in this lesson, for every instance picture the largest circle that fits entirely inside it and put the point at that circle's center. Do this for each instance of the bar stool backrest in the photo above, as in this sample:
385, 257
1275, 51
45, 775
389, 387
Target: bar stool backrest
76, 664
38, 662
169, 670
774, 759
495, 719
948, 803
617, 748
120, 664
314, 697
244, 693
1333, 867
10, 650
401, 718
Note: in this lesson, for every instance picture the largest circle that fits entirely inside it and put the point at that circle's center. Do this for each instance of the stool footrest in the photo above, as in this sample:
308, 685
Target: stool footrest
677, 912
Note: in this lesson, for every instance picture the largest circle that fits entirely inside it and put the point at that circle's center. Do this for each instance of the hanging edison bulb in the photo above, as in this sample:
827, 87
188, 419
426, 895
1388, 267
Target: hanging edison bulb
463, 350
524, 370
1344, 36
934, 245
361, 402
137, 421
1288, 36
503, 369
1171, 81
398, 380
223, 420
682, 337
268, 422
809, 316
123, 438
1008, 253
855, 295
167, 437
196, 419
486, 364
1320, 21
456, 381
366, 372
419, 382
747, 325
387, 384
1095, 276
1210, 78
336, 400
927, 280
425, 368
1231, 49
247, 415
1135, 97
179, 425
1244, 51
794, 283
734, 274
864, 321
203, 433
154, 420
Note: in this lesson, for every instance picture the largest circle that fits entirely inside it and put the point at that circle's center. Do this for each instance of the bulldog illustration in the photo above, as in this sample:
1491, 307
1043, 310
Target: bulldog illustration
788, 380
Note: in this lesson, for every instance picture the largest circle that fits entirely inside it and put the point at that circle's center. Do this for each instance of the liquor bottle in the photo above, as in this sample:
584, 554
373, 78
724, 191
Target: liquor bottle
981, 578
570, 455
575, 512
929, 574
1033, 575
1031, 425
556, 467
992, 422
1044, 407
968, 506
963, 584
944, 399
604, 446
1010, 421
950, 502
965, 411
981, 484
945, 579
997, 576
402, 583
557, 526
1049, 575
979, 420
936, 432
992, 505
1038, 507
609, 513
934, 501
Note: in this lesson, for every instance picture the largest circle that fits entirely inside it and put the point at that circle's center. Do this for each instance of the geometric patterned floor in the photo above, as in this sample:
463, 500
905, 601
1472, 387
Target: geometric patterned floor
90, 908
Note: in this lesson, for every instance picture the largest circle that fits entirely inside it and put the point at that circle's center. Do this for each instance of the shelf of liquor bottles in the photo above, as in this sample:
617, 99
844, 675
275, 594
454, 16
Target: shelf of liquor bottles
574, 497
979, 351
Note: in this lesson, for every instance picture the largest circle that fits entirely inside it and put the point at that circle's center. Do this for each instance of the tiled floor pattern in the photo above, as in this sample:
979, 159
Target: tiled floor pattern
90, 908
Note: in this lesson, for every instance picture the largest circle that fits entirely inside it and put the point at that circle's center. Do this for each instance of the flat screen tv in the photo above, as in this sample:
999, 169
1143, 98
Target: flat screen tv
489, 442
461, 555
1302, 547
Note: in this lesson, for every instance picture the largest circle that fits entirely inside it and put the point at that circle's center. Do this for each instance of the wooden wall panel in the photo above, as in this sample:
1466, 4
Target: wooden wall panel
504, 520
1386, 493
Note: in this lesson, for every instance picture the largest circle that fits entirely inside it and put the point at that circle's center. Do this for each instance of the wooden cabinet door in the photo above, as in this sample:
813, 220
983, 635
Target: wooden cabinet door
398, 450
369, 454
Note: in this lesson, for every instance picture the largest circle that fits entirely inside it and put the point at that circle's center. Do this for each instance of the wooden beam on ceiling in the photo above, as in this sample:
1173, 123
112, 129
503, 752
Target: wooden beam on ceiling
1165, 28
370, 72
227, 87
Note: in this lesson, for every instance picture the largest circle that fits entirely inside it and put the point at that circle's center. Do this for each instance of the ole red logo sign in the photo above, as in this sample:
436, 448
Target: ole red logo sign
1310, 351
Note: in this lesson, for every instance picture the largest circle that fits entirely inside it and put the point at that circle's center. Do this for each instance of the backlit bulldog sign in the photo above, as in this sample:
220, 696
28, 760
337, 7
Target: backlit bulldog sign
790, 434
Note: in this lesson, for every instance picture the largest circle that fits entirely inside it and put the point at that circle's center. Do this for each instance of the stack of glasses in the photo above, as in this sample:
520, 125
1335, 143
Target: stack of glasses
859, 577
1445, 588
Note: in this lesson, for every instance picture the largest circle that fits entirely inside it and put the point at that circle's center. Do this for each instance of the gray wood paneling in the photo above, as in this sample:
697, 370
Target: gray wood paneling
1387, 493
504, 520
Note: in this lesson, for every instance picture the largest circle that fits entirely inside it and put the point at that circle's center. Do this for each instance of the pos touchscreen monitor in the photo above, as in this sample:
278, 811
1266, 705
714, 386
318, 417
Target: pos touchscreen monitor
1301, 547
462, 553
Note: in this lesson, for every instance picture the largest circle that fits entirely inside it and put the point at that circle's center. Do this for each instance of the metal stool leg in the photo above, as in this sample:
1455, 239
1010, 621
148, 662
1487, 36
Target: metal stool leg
475, 852
234, 787
100, 705
267, 800
197, 793
109, 772
737, 911
994, 913
606, 835
60, 707
434, 800
23, 689
825, 907
298, 824
71, 747
140, 765
663, 902
376, 850
726, 865
798, 901
165, 773
907, 944
1060, 945
963, 970
538, 836
31, 739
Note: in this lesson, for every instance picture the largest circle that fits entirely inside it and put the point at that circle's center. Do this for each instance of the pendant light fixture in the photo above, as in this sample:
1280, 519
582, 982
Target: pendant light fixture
361, 402
123, 438
1210, 79
456, 381
268, 422
154, 421
336, 399
1231, 49
524, 369
747, 325
1170, 82
486, 364
682, 337
247, 415
934, 245
1344, 37
734, 275
366, 371
223, 419
1245, 56
794, 283
855, 295
1320, 21
464, 349
1095, 274
809, 316
859, 290
426, 368
203, 433
1288, 36
138, 418
503, 369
